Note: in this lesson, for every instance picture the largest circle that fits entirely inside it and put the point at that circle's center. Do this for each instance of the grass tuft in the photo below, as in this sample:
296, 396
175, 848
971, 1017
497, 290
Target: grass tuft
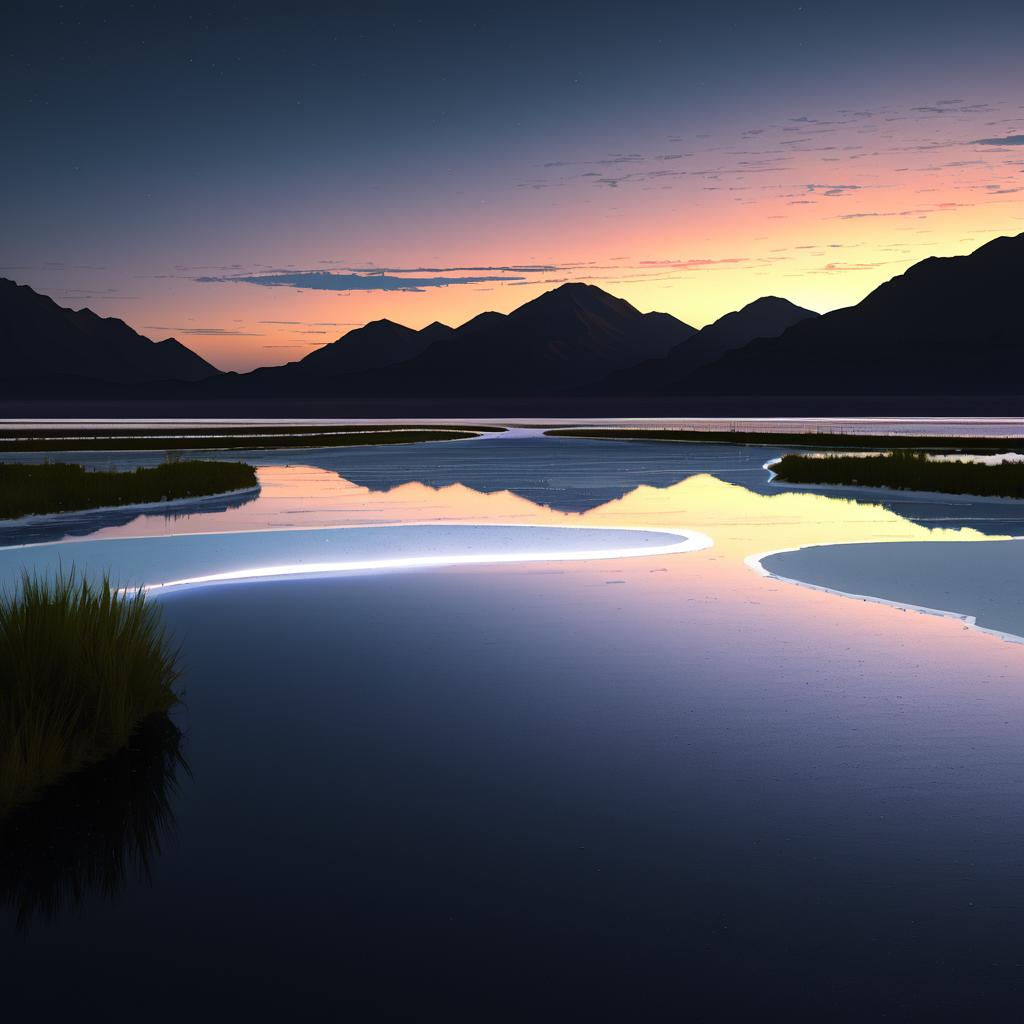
81, 667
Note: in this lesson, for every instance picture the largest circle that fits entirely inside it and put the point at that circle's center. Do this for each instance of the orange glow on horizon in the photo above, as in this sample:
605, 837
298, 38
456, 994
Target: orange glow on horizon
820, 213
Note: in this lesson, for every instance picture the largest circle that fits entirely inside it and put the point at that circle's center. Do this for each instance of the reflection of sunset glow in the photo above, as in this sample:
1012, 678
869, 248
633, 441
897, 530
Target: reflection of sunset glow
741, 522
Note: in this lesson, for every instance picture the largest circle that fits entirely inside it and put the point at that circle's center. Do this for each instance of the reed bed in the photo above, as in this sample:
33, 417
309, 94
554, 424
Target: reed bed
67, 487
904, 471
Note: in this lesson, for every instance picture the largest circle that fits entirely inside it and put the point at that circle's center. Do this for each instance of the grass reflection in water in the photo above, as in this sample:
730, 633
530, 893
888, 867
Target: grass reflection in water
95, 831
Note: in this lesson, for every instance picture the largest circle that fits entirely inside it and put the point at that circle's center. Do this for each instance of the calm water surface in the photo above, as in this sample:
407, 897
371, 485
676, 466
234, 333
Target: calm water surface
629, 789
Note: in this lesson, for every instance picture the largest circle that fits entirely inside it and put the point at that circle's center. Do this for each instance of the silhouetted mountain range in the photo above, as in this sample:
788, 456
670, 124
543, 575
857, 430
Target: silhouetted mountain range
947, 327
563, 340
44, 346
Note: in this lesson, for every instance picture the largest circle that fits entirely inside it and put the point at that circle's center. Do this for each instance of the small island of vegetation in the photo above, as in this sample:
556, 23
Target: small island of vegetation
27, 489
82, 667
901, 470
783, 438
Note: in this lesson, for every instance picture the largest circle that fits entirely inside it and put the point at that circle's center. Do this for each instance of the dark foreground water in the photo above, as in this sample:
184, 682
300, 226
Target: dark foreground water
652, 788
424, 793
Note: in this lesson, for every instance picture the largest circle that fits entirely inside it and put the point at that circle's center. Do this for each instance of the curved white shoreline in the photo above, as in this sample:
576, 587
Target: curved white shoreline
178, 560
691, 541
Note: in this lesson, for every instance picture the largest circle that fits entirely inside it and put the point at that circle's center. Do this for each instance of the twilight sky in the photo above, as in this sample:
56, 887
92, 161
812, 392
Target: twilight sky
256, 181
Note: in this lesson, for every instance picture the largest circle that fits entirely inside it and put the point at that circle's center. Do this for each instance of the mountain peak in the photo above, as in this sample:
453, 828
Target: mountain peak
1001, 246
580, 291
377, 344
769, 301
382, 324
578, 288
577, 297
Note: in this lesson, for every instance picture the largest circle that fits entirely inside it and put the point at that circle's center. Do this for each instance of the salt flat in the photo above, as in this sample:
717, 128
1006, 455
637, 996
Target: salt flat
982, 582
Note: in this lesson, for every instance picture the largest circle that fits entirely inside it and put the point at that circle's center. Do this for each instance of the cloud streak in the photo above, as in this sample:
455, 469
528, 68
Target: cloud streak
325, 281
1009, 140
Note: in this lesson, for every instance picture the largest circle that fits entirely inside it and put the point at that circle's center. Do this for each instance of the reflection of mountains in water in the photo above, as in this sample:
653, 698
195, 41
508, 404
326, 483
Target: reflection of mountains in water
564, 474
575, 475
95, 831
81, 524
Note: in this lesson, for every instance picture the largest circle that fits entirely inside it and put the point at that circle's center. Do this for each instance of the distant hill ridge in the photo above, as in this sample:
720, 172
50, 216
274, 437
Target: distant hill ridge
39, 340
947, 326
766, 317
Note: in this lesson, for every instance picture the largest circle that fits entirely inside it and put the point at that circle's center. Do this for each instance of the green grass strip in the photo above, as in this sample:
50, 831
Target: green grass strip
221, 440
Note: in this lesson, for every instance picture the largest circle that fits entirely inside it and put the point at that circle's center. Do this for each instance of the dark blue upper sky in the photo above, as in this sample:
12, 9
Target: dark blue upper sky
153, 142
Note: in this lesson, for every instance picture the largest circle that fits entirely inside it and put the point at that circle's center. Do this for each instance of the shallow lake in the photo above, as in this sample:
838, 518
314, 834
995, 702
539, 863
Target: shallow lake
628, 788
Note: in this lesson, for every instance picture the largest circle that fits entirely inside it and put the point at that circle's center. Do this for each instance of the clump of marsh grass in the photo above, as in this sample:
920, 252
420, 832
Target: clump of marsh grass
905, 470
82, 665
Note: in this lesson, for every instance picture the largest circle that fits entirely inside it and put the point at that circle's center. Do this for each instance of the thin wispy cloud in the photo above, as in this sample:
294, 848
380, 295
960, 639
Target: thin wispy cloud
777, 151
312, 323
208, 332
841, 268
